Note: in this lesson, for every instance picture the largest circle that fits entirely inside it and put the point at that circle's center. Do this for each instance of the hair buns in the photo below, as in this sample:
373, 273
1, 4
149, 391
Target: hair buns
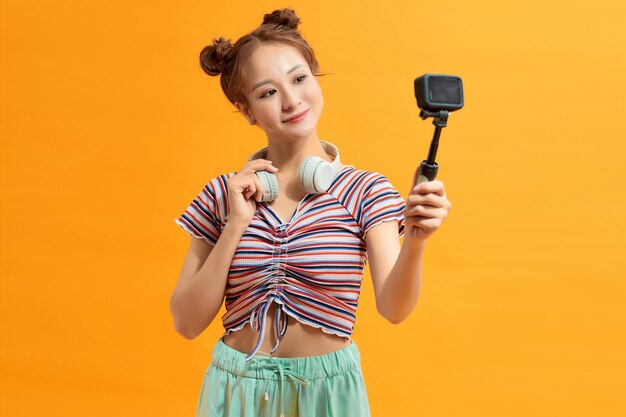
282, 17
215, 58
230, 60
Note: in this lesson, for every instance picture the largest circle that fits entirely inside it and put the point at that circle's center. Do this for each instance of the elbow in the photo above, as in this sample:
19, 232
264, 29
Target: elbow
182, 326
394, 316
185, 332
394, 319
391, 317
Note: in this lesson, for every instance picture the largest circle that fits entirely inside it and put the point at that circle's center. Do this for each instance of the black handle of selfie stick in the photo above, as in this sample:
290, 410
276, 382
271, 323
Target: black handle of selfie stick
426, 172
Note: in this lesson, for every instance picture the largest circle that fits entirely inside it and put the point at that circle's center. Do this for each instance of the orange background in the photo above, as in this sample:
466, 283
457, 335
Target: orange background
109, 128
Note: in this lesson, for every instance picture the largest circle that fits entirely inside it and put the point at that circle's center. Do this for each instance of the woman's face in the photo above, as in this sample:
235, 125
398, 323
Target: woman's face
280, 85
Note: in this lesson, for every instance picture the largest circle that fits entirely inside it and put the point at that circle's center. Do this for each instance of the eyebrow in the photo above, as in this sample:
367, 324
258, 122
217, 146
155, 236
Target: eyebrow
260, 83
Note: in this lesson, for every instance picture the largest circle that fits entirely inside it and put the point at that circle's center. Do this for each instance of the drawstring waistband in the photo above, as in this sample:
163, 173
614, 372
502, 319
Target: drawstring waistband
277, 386
283, 371
286, 377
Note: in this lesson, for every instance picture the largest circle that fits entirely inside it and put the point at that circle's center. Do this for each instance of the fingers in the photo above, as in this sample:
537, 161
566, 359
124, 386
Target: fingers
254, 188
260, 164
250, 189
258, 187
434, 200
247, 182
427, 205
434, 186
428, 225
430, 194
426, 212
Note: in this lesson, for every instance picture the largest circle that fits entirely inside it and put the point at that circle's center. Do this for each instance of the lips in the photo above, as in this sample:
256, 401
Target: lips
296, 117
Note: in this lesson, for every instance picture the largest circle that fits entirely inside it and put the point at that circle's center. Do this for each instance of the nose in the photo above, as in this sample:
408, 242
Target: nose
291, 99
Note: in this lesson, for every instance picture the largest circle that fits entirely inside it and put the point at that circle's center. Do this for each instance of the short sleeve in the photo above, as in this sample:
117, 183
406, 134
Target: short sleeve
202, 218
382, 202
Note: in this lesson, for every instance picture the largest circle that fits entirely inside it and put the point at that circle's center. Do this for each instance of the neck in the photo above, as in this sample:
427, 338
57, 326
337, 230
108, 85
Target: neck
288, 155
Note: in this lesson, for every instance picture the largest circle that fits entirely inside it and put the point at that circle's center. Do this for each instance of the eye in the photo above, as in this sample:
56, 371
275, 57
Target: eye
268, 93
300, 78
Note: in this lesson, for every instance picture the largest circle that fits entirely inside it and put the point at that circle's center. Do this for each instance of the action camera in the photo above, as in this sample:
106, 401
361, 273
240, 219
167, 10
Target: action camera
437, 95
436, 92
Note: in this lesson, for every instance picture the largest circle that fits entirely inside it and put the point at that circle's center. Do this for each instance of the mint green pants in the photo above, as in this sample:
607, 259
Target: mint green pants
329, 385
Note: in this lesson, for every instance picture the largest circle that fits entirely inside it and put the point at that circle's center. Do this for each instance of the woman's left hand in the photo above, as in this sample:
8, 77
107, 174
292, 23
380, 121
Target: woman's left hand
426, 208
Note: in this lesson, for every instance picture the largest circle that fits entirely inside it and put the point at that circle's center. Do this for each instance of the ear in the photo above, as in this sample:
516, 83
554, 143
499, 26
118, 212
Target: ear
244, 110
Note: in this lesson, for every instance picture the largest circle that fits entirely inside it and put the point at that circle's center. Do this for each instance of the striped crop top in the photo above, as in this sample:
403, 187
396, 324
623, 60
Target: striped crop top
310, 266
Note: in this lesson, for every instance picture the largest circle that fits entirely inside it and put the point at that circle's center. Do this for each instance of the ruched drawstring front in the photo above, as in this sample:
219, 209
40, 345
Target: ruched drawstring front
260, 313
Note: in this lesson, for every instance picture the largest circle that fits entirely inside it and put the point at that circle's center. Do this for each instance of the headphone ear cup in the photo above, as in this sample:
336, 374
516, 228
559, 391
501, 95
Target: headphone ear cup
316, 175
269, 184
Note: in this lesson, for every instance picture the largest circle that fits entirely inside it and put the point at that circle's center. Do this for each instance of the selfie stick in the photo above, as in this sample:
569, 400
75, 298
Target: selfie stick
437, 95
427, 170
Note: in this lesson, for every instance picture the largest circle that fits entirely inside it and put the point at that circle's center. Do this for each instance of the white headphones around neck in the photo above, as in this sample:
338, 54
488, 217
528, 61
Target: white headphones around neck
315, 174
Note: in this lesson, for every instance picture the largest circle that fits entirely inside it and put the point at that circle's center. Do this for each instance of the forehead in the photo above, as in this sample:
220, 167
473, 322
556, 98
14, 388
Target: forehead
271, 60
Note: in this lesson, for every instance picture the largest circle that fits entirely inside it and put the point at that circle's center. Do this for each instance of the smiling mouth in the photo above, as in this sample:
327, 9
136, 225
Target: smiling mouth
297, 116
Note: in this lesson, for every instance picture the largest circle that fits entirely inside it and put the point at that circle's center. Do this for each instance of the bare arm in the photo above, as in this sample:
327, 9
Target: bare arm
396, 272
200, 289
199, 293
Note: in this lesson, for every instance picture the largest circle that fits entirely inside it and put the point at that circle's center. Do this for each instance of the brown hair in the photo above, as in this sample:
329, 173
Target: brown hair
229, 60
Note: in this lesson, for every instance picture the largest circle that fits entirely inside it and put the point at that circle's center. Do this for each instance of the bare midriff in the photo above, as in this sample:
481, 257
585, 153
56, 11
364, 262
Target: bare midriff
299, 340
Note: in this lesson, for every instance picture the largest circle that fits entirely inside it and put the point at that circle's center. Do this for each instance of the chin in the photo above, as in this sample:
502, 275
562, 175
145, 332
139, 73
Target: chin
301, 131
298, 135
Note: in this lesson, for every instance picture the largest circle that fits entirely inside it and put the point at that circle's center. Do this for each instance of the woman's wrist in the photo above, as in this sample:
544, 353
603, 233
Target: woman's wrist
236, 225
412, 239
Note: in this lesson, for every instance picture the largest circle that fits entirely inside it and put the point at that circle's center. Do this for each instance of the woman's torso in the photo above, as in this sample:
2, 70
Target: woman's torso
299, 339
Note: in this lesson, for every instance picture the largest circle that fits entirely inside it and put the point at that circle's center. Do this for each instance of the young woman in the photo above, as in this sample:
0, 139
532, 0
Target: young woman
284, 241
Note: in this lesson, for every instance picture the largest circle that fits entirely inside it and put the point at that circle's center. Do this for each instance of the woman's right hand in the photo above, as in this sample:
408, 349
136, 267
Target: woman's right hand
244, 190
